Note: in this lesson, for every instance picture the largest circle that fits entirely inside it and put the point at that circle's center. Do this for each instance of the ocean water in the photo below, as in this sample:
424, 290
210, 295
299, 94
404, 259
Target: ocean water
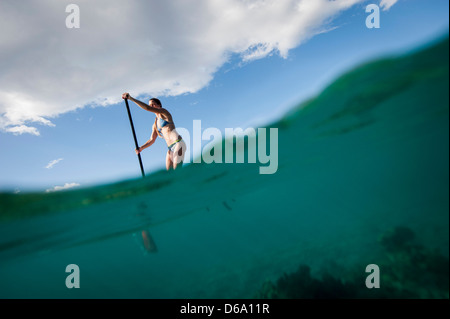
363, 178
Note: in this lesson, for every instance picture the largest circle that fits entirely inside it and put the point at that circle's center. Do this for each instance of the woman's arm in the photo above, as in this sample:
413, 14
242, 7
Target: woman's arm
150, 141
145, 106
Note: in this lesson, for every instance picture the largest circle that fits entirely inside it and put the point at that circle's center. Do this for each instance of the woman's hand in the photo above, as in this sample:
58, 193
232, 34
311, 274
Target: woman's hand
138, 150
126, 96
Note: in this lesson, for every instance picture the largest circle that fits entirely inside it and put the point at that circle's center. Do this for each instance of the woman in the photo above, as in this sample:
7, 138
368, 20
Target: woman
165, 128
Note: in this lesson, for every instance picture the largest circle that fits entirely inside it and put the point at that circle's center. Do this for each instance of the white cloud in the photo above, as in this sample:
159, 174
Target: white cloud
387, 4
21, 129
144, 47
53, 163
60, 188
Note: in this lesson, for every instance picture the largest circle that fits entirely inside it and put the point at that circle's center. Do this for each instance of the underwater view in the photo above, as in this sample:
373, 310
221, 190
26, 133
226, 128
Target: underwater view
362, 179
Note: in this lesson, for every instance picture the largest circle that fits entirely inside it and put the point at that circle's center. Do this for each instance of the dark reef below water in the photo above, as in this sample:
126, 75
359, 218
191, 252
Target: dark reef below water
408, 270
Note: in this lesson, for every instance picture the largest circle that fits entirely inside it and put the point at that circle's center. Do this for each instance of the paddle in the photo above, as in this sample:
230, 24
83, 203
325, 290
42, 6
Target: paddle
149, 243
134, 135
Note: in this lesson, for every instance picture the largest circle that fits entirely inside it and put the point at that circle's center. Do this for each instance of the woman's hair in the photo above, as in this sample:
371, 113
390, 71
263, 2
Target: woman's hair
157, 101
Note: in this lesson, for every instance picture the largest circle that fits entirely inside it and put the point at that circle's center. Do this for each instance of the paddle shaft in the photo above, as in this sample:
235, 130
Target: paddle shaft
134, 136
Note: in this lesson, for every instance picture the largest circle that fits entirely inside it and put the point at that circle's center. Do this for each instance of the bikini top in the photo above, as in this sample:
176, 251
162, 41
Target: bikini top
163, 123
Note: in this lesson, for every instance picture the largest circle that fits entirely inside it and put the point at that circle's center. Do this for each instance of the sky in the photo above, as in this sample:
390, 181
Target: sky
228, 63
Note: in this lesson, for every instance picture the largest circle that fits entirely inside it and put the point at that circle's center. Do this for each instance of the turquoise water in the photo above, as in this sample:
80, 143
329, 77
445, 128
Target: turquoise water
369, 155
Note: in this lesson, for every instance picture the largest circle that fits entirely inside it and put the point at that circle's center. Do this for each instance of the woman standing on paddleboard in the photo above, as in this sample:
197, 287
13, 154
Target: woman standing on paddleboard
164, 128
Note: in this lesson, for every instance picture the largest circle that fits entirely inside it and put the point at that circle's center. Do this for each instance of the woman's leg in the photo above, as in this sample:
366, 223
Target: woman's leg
169, 160
178, 154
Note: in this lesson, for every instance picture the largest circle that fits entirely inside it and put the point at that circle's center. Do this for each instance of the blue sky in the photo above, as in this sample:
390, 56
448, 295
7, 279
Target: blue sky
92, 144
